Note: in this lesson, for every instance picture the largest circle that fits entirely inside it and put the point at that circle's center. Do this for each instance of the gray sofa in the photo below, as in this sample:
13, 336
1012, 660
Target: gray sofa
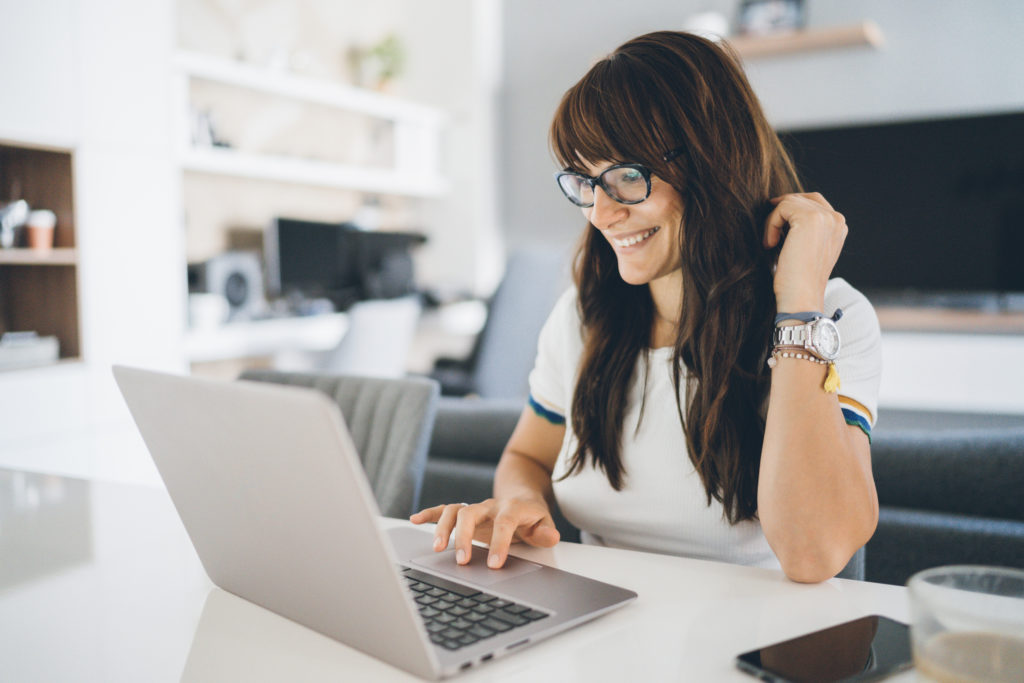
950, 486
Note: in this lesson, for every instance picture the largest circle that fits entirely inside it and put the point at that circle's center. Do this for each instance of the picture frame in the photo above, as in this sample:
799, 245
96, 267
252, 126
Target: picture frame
766, 17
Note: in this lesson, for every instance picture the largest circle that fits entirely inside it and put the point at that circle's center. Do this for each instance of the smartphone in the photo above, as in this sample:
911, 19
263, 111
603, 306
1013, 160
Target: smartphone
860, 650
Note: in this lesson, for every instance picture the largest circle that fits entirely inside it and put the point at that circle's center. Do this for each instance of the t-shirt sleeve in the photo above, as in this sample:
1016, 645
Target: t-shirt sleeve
551, 380
860, 355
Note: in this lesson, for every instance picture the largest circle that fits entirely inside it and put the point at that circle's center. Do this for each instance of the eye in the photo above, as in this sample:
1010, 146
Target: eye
631, 175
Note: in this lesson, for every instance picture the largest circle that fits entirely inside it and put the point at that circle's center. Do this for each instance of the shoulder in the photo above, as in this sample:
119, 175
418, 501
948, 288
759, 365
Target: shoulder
858, 314
565, 315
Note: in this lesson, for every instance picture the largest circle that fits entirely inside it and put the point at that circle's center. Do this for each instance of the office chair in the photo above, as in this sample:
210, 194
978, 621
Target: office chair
499, 364
390, 421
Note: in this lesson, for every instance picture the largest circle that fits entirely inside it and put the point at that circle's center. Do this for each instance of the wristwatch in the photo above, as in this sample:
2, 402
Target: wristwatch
819, 336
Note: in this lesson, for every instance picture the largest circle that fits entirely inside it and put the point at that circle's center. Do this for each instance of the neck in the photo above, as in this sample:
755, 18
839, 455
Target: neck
667, 295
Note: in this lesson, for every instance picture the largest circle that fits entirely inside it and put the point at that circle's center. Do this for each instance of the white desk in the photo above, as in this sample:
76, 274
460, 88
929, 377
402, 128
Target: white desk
265, 337
98, 582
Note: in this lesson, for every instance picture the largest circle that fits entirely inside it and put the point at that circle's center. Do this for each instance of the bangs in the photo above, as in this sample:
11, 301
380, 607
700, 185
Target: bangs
599, 119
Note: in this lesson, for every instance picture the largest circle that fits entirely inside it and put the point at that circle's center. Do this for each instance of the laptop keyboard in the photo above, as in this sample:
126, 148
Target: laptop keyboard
457, 615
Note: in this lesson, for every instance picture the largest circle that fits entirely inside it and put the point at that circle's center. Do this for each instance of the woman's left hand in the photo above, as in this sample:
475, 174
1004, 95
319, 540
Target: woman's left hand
813, 242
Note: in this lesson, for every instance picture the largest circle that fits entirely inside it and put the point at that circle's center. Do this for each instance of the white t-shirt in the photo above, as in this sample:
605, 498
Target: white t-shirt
662, 506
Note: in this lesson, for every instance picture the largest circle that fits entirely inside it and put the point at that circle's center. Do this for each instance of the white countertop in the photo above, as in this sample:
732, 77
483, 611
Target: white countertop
98, 582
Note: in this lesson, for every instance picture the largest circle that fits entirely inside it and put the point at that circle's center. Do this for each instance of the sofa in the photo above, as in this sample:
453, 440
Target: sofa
950, 485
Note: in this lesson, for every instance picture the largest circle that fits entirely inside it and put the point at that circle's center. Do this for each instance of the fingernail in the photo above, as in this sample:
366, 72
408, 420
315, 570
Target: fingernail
460, 557
493, 561
438, 543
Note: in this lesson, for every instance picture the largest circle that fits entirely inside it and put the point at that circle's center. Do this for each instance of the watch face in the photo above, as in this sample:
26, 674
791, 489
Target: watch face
826, 339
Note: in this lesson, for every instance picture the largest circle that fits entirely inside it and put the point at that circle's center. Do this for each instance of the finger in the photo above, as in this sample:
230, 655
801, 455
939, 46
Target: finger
445, 524
465, 526
773, 226
427, 515
501, 538
543, 534
815, 197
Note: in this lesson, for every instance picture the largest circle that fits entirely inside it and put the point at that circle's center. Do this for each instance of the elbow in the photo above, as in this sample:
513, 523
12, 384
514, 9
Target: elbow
821, 561
811, 569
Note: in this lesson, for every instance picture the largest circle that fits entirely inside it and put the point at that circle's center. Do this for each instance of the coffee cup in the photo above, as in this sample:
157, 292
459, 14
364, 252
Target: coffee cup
39, 229
967, 623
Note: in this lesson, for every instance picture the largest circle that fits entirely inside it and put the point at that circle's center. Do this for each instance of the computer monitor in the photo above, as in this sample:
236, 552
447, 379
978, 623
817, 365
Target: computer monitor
337, 261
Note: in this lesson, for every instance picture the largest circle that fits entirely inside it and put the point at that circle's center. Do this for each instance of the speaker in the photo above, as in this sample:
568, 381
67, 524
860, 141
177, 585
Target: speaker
235, 275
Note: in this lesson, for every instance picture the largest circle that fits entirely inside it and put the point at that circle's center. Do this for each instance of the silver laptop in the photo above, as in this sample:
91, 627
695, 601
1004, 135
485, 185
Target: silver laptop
273, 496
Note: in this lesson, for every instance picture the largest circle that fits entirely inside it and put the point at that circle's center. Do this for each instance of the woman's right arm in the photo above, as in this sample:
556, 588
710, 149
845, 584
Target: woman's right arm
520, 509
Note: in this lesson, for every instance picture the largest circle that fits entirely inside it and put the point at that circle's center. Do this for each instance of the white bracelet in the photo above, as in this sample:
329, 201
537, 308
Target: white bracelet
831, 384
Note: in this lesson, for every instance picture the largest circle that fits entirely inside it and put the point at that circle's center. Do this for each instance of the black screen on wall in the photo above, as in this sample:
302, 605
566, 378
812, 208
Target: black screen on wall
932, 206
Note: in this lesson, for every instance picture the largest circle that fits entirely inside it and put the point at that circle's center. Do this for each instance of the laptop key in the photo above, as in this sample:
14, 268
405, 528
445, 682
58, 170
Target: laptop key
445, 618
436, 592
476, 616
495, 625
534, 615
437, 638
426, 600
461, 624
435, 627
480, 631
513, 619
468, 639
451, 644
441, 604
498, 604
484, 597
428, 612
458, 611
467, 603
459, 589
484, 609
451, 633
516, 609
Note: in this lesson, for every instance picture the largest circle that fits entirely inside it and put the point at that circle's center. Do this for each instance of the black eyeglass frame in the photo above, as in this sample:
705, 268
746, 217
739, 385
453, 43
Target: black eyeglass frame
595, 181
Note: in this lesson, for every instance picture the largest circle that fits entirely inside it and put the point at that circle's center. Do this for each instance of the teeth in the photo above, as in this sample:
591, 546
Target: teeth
630, 241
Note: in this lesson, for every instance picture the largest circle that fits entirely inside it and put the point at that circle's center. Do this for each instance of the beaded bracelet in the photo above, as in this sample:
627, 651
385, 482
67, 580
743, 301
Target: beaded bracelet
831, 384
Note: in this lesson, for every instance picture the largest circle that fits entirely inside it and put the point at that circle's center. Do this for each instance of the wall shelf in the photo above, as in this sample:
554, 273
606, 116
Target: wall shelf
415, 170
61, 256
866, 33
304, 88
229, 162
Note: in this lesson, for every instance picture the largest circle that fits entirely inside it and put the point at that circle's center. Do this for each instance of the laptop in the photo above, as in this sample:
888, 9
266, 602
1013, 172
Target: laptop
274, 498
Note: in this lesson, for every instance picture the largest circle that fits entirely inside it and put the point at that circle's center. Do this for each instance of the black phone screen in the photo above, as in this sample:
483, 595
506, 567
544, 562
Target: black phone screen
858, 650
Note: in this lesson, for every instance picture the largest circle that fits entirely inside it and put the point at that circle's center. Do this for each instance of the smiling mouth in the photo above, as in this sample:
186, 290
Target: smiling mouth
636, 239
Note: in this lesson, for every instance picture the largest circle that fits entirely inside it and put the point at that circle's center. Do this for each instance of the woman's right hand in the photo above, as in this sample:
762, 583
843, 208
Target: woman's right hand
493, 521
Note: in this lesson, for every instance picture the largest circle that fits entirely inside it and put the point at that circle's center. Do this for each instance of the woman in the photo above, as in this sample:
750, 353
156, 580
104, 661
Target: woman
673, 407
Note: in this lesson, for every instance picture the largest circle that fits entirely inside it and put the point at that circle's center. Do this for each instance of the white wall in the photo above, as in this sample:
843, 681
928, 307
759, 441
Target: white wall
940, 58
92, 75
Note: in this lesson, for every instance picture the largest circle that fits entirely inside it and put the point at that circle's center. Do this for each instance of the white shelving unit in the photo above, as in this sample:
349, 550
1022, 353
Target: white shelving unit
417, 130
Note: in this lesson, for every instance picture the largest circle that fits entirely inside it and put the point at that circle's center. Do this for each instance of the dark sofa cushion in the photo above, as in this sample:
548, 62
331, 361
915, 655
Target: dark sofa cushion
908, 541
977, 472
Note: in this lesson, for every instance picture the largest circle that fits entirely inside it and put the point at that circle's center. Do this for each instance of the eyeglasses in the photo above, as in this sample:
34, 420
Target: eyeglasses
625, 183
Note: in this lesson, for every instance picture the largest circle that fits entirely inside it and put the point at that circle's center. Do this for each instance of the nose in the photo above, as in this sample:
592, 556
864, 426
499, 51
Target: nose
605, 210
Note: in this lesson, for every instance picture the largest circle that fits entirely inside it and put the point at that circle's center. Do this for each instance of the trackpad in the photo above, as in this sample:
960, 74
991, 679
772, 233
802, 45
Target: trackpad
477, 571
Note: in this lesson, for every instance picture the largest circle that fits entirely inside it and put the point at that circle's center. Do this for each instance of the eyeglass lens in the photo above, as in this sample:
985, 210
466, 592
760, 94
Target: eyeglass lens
623, 184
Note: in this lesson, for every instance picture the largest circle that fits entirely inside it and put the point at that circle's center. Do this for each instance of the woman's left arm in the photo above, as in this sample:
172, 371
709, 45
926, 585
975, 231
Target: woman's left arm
816, 495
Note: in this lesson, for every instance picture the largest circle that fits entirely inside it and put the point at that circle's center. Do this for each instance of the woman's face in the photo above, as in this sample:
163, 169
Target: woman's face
645, 236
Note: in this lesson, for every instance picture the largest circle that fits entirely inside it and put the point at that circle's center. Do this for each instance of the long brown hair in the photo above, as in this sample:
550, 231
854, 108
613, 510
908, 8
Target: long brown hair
675, 91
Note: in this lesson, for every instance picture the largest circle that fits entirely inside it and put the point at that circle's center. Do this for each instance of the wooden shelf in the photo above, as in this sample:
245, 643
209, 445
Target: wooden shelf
913, 319
62, 256
866, 33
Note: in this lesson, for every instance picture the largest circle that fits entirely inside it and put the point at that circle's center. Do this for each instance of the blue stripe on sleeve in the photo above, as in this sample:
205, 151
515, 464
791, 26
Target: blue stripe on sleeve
857, 420
549, 415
